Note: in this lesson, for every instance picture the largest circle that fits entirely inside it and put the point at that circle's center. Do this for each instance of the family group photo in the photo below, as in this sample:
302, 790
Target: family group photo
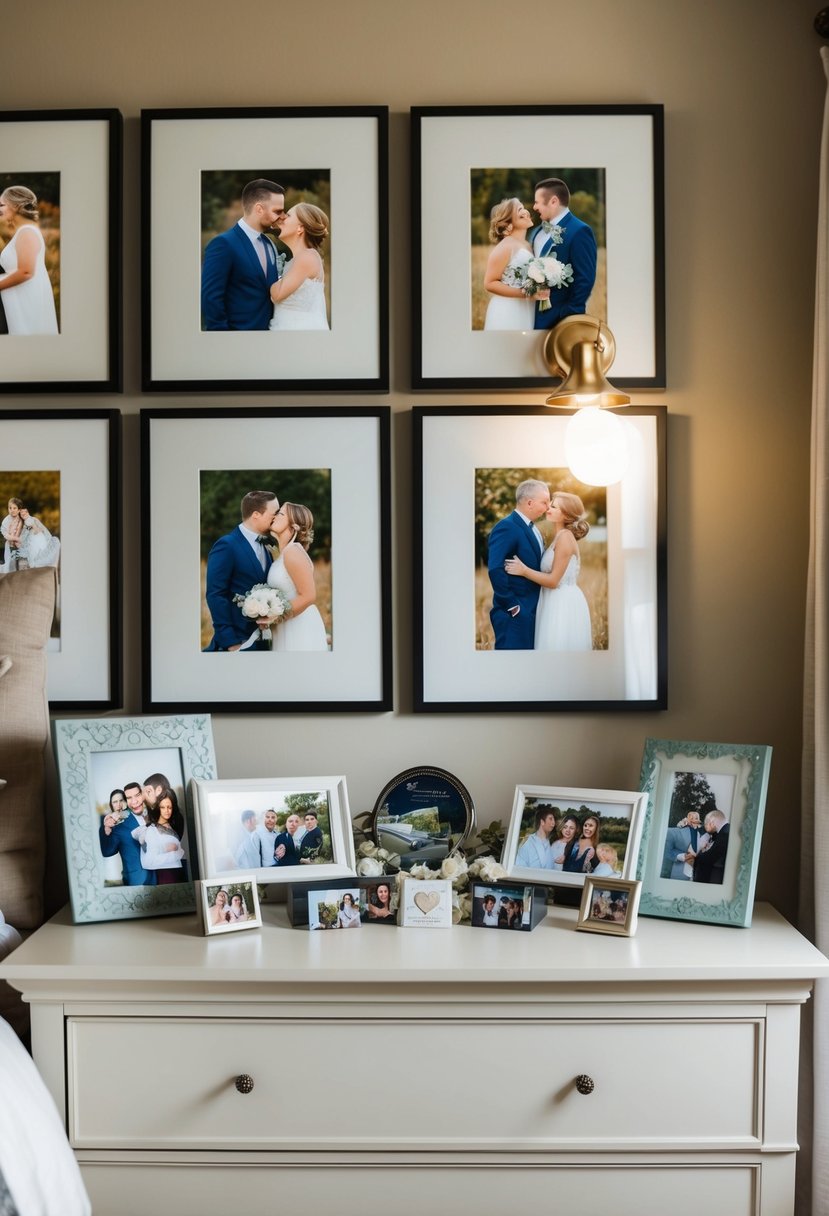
268, 829
538, 248
29, 253
266, 560
697, 833
30, 529
541, 579
584, 838
266, 256
609, 905
141, 831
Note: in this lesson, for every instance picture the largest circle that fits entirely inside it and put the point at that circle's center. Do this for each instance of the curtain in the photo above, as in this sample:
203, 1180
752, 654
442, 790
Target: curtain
813, 1164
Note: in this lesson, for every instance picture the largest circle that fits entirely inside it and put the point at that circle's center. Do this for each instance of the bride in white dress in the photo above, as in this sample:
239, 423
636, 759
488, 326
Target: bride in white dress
299, 295
27, 295
509, 307
293, 574
562, 619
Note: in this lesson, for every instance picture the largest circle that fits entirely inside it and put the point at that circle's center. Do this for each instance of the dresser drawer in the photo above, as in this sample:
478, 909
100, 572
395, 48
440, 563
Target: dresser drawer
395, 1083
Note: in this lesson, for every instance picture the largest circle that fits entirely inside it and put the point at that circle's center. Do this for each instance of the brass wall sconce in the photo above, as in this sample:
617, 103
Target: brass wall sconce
582, 350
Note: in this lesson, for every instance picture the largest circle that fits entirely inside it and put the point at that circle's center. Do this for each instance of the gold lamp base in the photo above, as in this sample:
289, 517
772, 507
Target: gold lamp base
582, 349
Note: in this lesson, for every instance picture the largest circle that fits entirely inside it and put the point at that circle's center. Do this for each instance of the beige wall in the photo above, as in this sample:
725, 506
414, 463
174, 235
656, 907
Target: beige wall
742, 88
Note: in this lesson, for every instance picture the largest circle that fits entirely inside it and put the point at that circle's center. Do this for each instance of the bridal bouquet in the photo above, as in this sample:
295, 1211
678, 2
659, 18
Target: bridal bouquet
542, 272
264, 601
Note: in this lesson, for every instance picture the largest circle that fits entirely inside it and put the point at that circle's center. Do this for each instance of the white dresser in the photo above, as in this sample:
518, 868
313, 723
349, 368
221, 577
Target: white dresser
416, 1072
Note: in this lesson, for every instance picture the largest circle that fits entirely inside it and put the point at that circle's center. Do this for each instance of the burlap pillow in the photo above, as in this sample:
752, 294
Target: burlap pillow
27, 602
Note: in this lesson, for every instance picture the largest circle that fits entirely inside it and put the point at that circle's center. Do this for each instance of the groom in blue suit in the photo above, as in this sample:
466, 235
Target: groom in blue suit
237, 562
570, 240
514, 598
240, 265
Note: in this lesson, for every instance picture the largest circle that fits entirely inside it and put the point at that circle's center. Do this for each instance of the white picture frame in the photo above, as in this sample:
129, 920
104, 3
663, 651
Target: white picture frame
227, 844
209, 892
623, 807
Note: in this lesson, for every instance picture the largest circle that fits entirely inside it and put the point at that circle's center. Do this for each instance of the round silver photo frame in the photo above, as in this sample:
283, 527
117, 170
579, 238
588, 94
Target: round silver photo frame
424, 814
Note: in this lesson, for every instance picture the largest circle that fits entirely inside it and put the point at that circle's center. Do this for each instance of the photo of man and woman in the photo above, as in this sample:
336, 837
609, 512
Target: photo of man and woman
30, 528
501, 907
540, 561
266, 257
266, 560
538, 247
229, 905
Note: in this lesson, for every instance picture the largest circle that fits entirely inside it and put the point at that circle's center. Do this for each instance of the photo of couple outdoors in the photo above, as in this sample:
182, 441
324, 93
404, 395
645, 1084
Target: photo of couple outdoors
697, 833
142, 836
270, 830
266, 259
29, 253
266, 560
580, 839
540, 561
538, 247
228, 904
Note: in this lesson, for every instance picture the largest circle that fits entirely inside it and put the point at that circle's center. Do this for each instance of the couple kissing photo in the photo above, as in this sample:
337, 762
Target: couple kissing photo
266, 255
266, 560
541, 561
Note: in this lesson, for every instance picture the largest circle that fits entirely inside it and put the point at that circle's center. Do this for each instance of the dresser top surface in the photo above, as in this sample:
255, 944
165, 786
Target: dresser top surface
172, 950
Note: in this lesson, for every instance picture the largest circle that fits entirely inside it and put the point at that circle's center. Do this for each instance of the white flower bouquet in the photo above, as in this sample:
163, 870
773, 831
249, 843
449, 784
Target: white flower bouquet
543, 272
263, 602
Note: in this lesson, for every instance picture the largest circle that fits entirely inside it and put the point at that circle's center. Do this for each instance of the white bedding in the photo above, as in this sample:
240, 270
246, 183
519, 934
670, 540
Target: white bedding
36, 1161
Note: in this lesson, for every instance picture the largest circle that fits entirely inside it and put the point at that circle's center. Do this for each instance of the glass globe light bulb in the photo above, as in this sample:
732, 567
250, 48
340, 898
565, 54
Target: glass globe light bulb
596, 447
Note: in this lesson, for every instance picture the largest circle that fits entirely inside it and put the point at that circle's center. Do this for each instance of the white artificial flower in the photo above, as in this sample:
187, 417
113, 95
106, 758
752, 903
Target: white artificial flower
488, 869
368, 849
465, 907
370, 867
453, 867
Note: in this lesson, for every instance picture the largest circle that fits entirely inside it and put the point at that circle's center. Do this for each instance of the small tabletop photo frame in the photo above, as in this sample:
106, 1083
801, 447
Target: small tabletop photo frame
228, 906
504, 905
426, 903
610, 905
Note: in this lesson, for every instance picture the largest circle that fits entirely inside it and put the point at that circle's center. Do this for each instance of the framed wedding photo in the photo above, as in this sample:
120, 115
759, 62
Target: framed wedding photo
127, 812
280, 829
258, 283
308, 484
60, 220
600, 647
701, 839
557, 835
582, 185
60, 505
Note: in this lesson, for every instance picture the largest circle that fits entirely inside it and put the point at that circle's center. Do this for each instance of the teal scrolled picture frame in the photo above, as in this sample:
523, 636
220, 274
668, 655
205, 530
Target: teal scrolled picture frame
703, 826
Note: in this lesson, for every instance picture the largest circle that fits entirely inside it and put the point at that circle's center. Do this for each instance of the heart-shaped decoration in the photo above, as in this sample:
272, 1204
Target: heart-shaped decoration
427, 901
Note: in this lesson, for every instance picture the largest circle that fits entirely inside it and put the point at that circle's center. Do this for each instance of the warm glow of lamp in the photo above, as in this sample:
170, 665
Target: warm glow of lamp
596, 446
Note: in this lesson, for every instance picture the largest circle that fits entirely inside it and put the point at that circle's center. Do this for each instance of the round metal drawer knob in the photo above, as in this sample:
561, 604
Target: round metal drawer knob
584, 1084
244, 1083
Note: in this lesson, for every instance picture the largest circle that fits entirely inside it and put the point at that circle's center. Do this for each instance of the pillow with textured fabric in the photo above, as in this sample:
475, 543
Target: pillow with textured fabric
27, 603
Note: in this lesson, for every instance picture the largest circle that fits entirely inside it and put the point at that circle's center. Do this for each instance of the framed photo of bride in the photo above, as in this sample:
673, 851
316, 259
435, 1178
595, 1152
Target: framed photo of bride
573, 194
60, 251
265, 564
253, 276
60, 506
532, 588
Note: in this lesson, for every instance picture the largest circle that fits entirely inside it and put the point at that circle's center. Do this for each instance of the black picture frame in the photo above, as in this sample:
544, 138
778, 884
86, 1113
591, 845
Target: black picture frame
85, 671
624, 145
349, 144
84, 148
180, 446
454, 671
